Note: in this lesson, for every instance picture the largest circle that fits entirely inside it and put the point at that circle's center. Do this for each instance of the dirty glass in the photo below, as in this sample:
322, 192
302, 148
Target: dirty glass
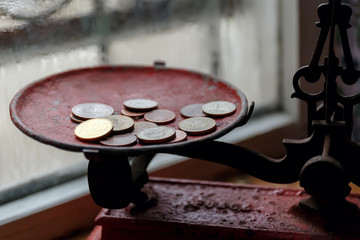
354, 42
236, 40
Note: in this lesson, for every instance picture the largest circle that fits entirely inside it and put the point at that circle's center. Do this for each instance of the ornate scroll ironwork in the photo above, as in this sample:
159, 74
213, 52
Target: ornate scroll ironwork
332, 103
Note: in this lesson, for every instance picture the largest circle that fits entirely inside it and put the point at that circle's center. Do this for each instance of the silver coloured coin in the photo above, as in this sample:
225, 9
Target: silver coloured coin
140, 104
92, 110
198, 125
160, 116
219, 108
138, 126
120, 140
156, 135
192, 110
121, 123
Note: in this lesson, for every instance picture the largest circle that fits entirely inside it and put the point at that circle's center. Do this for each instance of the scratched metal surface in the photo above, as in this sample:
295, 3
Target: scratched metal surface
188, 209
41, 110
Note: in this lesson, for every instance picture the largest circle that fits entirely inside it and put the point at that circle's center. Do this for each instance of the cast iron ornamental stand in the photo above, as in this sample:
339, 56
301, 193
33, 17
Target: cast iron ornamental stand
325, 162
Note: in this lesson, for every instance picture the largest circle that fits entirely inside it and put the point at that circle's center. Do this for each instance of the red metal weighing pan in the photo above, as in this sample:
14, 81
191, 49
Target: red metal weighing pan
41, 110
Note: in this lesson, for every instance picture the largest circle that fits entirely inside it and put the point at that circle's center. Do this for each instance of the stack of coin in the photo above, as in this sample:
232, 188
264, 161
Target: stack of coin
210, 109
179, 136
93, 125
136, 108
132, 114
138, 126
121, 123
161, 134
199, 115
156, 135
75, 119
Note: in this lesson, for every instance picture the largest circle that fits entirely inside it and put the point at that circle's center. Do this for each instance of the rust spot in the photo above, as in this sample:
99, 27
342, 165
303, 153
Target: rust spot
235, 207
246, 207
272, 203
242, 222
223, 205
191, 208
279, 192
210, 204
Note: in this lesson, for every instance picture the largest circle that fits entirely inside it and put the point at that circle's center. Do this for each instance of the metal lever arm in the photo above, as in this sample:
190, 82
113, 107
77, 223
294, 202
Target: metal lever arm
256, 164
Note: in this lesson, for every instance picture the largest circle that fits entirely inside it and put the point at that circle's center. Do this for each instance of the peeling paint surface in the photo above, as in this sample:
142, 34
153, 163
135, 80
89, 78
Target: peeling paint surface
188, 209
41, 110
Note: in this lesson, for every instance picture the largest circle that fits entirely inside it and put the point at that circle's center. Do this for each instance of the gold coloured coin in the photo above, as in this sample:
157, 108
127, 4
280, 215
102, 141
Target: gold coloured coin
140, 104
156, 135
92, 110
93, 129
132, 114
75, 119
160, 116
219, 108
121, 123
192, 110
197, 125
179, 136
138, 126
120, 140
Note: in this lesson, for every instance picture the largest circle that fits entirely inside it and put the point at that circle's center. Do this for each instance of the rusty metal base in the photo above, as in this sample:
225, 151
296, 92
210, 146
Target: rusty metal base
184, 209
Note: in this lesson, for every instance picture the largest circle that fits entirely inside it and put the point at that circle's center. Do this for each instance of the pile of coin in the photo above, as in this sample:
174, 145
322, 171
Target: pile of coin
97, 122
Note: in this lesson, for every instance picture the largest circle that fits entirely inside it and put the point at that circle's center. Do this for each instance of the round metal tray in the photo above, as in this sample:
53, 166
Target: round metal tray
41, 110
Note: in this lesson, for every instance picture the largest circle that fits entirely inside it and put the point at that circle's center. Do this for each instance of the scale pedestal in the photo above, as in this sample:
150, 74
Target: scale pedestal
187, 209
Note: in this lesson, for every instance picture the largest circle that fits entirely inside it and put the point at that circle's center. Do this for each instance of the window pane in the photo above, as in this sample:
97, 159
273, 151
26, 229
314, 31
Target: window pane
184, 47
249, 50
28, 54
20, 156
236, 40
354, 42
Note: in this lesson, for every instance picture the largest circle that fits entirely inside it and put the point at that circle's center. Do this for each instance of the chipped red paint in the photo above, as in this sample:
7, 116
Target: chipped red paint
186, 209
41, 110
